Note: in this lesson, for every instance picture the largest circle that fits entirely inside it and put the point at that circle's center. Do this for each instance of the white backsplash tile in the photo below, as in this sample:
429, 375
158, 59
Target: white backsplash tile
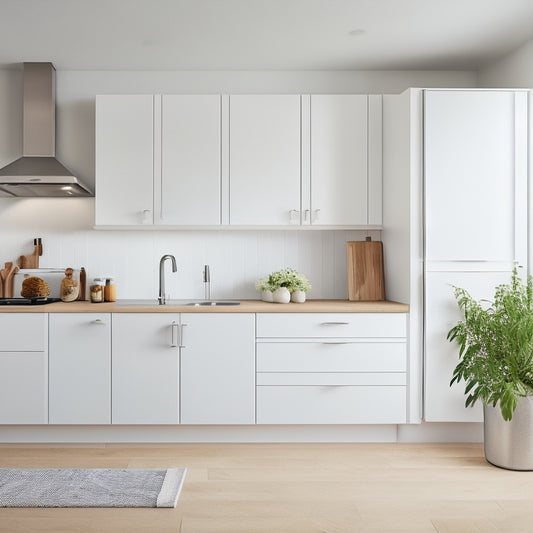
237, 258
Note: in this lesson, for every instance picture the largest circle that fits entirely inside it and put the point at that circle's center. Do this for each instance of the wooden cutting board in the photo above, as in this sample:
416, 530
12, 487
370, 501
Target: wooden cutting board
7, 274
366, 281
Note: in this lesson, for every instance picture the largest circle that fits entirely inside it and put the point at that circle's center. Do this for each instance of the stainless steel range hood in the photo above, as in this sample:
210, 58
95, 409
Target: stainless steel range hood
38, 173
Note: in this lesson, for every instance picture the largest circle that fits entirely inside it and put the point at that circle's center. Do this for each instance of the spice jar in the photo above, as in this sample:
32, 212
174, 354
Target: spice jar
97, 291
110, 290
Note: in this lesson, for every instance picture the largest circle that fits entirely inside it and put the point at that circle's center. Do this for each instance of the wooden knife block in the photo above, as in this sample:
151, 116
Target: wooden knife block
366, 281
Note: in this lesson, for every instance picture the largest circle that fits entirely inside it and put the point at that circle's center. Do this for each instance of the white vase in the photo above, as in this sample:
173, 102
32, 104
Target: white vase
298, 297
266, 296
281, 295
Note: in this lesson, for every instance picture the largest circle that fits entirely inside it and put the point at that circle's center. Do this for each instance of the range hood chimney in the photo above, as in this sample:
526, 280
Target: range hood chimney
38, 173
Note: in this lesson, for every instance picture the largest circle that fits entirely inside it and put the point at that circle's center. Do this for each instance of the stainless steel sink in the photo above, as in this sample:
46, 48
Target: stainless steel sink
194, 303
211, 303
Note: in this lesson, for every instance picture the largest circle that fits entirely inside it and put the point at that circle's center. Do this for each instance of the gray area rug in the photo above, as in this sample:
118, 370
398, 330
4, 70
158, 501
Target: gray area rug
94, 487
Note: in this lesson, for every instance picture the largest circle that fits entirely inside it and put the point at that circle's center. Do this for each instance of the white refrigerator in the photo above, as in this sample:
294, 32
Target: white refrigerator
475, 221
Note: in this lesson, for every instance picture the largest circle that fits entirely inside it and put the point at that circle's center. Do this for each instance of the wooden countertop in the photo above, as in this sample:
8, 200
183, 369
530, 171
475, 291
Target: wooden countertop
246, 306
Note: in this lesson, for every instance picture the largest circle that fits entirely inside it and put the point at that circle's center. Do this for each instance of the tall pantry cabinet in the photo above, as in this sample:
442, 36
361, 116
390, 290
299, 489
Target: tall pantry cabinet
456, 162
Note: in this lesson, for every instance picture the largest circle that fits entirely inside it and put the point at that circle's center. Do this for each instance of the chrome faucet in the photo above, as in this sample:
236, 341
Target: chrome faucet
162, 296
207, 283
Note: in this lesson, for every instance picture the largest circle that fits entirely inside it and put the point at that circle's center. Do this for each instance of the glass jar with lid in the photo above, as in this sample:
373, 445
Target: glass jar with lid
97, 290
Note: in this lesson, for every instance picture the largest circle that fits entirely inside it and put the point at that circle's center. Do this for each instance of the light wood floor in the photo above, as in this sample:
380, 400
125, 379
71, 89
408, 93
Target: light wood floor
367, 488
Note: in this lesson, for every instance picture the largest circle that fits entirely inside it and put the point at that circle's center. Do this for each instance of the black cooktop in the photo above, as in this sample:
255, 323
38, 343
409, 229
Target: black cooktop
28, 301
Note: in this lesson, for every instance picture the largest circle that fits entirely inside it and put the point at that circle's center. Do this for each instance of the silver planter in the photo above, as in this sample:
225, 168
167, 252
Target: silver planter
510, 444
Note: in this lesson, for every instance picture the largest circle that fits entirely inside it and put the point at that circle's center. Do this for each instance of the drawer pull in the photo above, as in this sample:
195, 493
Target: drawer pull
181, 345
335, 324
99, 321
335, 343
173, 340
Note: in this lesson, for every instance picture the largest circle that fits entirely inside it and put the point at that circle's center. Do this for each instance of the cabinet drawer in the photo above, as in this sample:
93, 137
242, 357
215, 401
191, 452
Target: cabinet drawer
23, 332
331, 379
331, 325
331, 405
331, 357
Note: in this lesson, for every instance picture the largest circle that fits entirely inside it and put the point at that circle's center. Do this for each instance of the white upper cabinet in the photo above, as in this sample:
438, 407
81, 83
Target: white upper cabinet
264, 160
474, 148
238, 160
124, 159
188, 187
339, 163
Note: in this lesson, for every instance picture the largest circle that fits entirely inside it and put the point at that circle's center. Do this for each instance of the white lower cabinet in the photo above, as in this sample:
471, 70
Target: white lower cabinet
203, 368
200, 364
218, 369
23, 368
80, 368
330, 404
331, 368
145, 369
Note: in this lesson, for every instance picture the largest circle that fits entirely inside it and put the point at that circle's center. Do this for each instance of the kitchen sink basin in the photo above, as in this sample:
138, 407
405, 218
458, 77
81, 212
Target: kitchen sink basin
210, 303
194, 303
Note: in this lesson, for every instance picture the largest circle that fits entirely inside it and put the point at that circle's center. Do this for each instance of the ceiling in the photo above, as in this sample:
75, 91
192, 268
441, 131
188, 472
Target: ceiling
262, 34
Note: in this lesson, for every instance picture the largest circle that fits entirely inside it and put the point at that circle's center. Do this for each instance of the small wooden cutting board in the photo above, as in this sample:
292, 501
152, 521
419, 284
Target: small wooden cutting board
7, 274
366, 281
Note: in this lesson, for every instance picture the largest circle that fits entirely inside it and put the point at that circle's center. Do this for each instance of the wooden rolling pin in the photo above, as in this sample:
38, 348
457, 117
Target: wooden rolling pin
32, 261
7, 274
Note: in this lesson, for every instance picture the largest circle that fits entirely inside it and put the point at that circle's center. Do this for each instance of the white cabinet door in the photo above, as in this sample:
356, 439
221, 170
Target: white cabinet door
145, 369
443, 403
23, 368
339, 160
475, 175
23, 388
218, 369
80, 368
190, 183
264, 161
23, 332
124, 159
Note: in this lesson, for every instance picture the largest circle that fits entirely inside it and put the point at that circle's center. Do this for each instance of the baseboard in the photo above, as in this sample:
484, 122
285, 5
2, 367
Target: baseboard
425, 432
165, 434
441, 432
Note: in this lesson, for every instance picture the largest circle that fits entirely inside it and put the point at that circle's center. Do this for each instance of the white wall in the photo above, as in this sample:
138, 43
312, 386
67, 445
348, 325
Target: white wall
513, 70
237, 258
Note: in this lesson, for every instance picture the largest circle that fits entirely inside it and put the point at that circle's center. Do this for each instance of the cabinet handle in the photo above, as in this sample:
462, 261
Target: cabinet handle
174, 339
294, 215
307, 212
146, 216
335, 324
99, 321
181, 335
335, 343
316, 215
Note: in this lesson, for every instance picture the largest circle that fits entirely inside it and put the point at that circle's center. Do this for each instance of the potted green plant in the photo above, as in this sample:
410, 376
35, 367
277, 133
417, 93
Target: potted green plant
283, 286
496, 361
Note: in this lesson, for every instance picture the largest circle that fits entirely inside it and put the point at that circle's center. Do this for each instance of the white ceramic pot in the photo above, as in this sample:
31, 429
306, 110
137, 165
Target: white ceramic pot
281, 296
298, 297
266, 296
